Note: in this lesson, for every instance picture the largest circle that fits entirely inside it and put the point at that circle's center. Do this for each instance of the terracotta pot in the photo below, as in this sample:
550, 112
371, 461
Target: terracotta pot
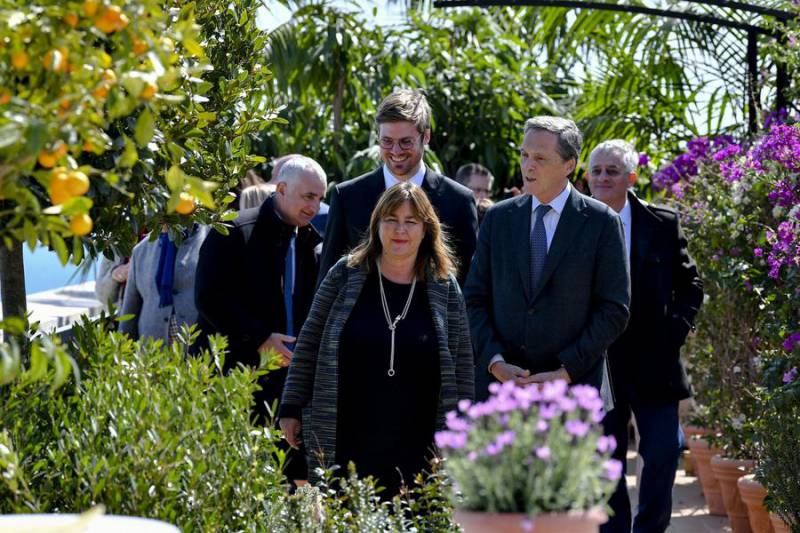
752, 493
572, 522
728, 472
778, 525
703, 453
690, 431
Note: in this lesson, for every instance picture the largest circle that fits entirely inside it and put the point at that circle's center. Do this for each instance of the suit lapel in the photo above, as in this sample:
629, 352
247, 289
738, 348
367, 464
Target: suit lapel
521, 230
641, 233
569, 226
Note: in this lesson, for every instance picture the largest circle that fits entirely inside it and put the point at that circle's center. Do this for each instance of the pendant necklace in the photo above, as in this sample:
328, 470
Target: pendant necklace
393, 324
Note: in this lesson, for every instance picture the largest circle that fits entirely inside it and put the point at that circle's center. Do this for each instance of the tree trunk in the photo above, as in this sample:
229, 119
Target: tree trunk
12, 281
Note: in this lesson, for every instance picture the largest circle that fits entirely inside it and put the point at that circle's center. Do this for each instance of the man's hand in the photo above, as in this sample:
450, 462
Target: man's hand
543, 377
278, 342
504, 372
292, 431
120, 273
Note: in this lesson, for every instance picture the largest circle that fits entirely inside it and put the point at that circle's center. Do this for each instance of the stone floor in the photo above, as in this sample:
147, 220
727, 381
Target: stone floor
689, 512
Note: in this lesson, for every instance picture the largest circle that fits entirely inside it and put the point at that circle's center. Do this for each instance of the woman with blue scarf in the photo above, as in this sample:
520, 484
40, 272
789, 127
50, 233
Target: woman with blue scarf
160, 289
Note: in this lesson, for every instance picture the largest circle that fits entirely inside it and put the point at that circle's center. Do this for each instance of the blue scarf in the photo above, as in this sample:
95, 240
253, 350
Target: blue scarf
165, 274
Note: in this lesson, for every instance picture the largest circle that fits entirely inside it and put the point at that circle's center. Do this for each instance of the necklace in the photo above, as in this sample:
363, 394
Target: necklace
393, 323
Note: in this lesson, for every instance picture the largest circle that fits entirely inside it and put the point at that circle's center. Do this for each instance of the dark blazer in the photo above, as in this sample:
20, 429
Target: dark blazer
666, 293
580, 306
239, 290
351, 206
313, 380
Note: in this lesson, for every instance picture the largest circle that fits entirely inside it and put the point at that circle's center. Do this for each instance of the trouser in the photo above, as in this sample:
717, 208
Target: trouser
661, 440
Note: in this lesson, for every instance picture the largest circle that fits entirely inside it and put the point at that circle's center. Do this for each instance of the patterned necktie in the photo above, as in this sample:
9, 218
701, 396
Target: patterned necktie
288, 283
538, 246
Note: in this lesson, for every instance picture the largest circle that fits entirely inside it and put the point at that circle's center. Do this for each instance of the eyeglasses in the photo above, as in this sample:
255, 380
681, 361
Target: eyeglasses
406, 143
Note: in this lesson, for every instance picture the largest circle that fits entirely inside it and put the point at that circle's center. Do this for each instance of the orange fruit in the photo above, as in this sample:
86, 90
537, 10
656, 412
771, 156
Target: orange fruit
5, 97
47, 159
149, 91
77, 183
90, 7
80, 225
186, 204
56, 60
71, 19
60, 149
101, 91
111, 19
19, 60
64, 104
59, 192
88, 146
139, 46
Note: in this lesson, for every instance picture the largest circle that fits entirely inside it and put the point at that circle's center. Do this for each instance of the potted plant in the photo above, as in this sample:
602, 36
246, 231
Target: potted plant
530, 459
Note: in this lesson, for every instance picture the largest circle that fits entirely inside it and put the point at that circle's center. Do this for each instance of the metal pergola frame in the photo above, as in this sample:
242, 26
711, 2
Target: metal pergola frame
753, 31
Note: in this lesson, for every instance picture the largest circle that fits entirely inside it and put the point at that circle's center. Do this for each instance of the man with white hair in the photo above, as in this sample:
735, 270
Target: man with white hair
646, 371
256, 284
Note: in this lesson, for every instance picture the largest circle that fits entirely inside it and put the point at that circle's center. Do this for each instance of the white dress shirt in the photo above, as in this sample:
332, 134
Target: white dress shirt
625, 216
550, 221
389, 179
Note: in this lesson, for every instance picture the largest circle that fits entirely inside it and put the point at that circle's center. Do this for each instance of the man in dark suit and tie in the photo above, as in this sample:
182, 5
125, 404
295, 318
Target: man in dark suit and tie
647, 374
404, 130
548, 289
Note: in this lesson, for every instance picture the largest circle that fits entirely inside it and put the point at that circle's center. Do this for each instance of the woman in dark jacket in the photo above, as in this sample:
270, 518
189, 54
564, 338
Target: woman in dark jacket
385, 352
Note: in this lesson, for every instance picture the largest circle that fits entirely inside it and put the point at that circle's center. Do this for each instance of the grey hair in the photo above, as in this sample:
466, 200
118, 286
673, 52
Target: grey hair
300, 164
569, 136
625, 150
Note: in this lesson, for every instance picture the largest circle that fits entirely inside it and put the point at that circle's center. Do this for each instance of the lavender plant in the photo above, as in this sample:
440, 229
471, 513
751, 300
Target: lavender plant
530, 450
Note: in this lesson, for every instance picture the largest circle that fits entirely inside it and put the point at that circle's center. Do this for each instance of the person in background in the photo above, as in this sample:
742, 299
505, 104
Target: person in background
255, 195
476, 178
112, 275
647, 374
385, 352
404, 130
255, 284
159, 292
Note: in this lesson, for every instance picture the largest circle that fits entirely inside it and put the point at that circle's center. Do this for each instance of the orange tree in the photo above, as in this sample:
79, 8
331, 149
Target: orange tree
117, 115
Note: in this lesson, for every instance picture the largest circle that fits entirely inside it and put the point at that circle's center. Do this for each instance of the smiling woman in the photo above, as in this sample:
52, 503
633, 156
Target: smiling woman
382, 312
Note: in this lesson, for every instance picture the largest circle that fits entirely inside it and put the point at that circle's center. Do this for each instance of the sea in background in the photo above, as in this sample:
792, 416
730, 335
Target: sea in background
43, 271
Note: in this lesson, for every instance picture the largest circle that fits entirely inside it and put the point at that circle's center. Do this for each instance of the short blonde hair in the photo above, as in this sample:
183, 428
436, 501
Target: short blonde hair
405, 105
255, 195
434, 250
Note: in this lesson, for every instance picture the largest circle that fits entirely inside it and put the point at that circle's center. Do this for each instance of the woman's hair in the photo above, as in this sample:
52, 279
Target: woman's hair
434, 250
255, 195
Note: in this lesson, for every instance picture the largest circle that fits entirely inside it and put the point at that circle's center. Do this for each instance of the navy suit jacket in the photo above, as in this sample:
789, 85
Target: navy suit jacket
666, 293
580, 306
351, 206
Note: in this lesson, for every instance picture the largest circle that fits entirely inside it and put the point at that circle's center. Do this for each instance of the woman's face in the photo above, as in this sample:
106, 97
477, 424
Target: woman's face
401, 233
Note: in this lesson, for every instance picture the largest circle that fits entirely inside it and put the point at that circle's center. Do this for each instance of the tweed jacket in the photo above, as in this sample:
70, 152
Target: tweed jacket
313, 380
141, 294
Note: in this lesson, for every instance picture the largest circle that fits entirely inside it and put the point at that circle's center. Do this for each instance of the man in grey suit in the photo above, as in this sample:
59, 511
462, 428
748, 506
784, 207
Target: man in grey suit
548, 290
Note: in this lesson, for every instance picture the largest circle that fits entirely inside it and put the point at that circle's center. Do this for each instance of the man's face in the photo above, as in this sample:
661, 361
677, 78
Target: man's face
481, 186
402, 147
607, 178
544, 172
298, 201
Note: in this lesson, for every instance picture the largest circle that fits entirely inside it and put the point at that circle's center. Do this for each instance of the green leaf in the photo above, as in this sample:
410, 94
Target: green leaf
144, 127
10, 134
60, 247
175, 178
193, 47
129, 155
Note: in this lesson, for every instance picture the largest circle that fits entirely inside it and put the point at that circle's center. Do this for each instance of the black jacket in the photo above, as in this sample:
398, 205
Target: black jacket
666, 293
239, 287
352, 203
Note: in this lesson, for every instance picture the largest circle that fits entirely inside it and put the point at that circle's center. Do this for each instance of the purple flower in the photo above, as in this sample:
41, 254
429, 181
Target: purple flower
506, 438
542, 426
463, 405
472, 456
543, 453
553, 390
644, 160
577, 428
791, 341
455, 423
606, 444
549, 411
450, 439
790, 376
758, 252
613, 469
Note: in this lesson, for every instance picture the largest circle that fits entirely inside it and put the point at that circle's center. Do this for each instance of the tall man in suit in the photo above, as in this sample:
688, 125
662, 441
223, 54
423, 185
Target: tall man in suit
256, 284
548, 289
404, 130
646, 370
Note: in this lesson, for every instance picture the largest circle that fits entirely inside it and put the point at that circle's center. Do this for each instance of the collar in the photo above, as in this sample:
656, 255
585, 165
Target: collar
625, 213
557, 203
389, 179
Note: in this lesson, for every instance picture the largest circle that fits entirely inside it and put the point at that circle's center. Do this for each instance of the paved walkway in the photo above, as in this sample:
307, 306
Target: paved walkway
689, 512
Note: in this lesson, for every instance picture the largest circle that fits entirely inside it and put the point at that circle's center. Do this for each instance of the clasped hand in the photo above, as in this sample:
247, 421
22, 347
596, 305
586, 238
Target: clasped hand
504, 372
278, 342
